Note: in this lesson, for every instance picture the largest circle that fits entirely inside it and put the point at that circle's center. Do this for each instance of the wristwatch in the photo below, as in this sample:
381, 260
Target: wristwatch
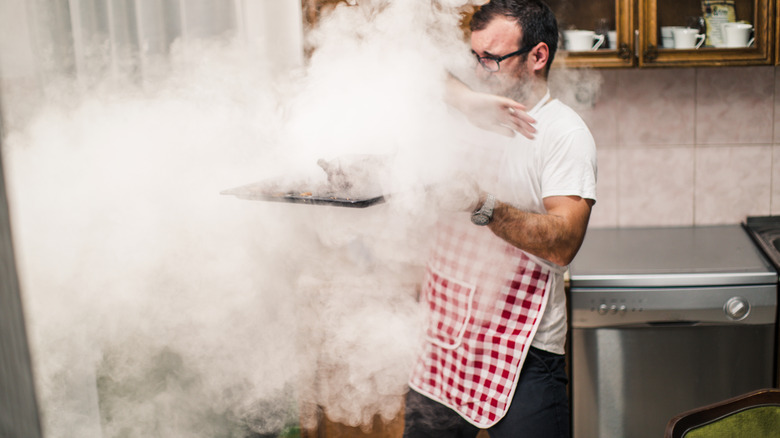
483, 215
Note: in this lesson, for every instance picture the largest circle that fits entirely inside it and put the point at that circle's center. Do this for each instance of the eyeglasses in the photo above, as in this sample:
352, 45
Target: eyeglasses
491, 63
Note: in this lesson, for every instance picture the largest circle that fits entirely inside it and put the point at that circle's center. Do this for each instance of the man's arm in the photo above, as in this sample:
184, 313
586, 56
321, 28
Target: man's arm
555, 236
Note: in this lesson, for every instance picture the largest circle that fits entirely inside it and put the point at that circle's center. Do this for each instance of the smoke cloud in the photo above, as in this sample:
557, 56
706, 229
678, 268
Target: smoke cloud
157, 306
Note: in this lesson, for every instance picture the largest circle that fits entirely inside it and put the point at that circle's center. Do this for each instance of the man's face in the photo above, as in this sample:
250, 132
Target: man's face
500, 37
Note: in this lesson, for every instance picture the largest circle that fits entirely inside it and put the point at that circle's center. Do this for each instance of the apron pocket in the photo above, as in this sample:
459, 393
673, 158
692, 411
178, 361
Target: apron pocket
449, 308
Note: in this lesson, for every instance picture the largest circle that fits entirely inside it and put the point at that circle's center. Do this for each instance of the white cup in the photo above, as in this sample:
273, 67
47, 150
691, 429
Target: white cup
688, 38
667, 36
612, 37
582, 40
737, 34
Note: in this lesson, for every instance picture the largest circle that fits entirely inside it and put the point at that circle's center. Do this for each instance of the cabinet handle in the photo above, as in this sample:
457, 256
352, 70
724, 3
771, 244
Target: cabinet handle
636, 43
624, 52
650, 54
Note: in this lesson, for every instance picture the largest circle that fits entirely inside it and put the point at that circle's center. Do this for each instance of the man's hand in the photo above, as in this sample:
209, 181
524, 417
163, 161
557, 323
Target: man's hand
499, 114
491, 112
458, 194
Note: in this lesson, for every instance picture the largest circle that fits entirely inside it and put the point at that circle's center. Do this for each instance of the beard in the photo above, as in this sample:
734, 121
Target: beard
515, 85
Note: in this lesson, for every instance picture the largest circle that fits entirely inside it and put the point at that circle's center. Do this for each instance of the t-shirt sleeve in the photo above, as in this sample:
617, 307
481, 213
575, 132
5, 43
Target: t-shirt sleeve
570, 167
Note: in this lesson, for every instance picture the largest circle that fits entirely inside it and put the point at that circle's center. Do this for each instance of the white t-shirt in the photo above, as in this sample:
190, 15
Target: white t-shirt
559, 161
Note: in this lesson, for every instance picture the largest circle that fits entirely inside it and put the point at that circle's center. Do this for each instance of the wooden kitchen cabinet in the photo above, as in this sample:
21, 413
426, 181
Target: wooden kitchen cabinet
313, 9
653, 14
600, 16
777, 40
638, 24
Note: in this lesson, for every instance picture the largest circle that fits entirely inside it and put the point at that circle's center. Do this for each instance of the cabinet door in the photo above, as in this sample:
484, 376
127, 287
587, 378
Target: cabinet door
312, 9
667, 27
603, 17
777, 42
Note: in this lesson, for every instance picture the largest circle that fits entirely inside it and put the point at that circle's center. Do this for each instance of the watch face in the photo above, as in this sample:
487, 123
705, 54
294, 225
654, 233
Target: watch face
480, 219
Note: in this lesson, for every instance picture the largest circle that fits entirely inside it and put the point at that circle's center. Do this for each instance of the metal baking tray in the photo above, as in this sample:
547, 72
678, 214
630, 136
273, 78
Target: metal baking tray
260, 192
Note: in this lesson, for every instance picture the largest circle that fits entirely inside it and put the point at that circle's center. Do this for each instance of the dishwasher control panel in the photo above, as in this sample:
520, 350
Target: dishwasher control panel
754, 304
603, 309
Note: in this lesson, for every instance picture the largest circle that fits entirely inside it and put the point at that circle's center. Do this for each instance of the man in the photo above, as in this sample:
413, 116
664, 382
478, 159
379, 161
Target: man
496, 323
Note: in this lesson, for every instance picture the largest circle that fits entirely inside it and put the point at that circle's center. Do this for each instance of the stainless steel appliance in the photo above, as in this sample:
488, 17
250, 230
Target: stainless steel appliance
665, 320
765, 231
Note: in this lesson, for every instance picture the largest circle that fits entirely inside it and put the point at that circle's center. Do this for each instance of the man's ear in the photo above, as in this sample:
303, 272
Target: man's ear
539, 56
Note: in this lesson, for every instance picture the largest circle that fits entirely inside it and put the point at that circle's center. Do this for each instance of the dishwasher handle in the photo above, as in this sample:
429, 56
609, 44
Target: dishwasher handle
673, 323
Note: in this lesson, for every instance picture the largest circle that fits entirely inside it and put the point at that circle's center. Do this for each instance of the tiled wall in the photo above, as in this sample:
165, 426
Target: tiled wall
686, 146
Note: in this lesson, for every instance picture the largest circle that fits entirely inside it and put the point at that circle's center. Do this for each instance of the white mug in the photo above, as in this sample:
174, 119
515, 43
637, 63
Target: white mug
582, 40
688, 38
612, 37
667, 36
737, 34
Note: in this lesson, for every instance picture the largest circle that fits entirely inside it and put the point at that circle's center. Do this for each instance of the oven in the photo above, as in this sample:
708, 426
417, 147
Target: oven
765, 231
665, 320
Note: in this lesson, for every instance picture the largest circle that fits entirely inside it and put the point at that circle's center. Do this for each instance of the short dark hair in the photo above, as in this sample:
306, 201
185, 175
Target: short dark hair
536, 20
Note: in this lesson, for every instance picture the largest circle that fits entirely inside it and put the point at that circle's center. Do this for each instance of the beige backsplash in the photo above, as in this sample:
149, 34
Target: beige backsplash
686, 146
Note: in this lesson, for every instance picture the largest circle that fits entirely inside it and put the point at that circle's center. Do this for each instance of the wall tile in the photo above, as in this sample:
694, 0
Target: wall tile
685, 146
731, 183
655, 186
605, 211
601, 117
656, 107
735, 105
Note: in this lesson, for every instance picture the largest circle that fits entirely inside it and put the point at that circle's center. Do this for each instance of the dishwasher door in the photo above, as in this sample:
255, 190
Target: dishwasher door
641, 356
630, 381
663, 320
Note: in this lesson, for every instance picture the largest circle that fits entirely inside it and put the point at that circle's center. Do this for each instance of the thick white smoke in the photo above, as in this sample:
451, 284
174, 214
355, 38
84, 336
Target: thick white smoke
157, 306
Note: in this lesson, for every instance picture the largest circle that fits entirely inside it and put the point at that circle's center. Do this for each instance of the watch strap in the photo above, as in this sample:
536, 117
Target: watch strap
484, 214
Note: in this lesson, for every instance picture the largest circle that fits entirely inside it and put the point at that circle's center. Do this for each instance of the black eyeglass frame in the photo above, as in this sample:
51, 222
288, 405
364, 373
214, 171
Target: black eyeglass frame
497, 60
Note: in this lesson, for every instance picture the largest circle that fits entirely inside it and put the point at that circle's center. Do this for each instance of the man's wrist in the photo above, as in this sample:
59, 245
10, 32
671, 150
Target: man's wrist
484, 214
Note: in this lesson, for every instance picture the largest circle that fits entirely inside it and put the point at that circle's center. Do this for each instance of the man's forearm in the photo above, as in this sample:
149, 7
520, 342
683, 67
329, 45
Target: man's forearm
551, 236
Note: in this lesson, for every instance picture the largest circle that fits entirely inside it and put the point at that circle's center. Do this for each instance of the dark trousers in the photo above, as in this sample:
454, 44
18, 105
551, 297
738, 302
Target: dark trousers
539, 409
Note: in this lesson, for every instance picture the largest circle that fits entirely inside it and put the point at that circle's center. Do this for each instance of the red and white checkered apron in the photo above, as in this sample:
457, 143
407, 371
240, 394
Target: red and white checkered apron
484, 299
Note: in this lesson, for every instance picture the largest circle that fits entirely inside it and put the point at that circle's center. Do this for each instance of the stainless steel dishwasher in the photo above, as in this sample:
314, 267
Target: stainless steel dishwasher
665, 320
